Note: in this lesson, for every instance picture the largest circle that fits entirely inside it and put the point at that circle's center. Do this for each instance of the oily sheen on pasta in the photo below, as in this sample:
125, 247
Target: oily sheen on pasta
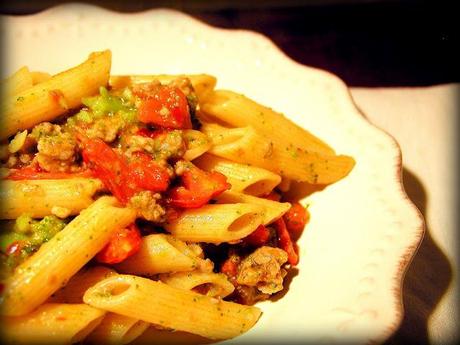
146, 208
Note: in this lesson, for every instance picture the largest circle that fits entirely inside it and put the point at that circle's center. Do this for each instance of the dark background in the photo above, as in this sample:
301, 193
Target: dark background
365, 42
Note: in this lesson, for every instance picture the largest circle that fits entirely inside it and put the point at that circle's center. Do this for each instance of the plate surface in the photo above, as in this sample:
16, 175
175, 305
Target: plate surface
363, 230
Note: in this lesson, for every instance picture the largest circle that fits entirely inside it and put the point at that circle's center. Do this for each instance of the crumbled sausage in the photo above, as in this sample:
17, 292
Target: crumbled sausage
262, 269
56, 148
163, 147
145, 203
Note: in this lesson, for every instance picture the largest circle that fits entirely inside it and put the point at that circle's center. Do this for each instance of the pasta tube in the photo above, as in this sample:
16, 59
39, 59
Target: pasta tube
39, 198
163, 305
47, 100
196, 144
242, 177
74, 290
155, 336
217, 223
239, 111
272, 209
65, 254
18, 82
160, 253
245, 145
207, 283
52, 323
117, 330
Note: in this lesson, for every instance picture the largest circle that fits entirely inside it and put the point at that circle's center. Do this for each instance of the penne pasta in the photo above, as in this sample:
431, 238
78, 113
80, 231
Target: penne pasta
174, 308
47, 100
206, 283
170, 154
245, 145
40, 198
155, 336
196, 143
117, 330
203, 84
239, 111
243, 178
52, 323
39, 77
272, 209
18, 82
217, 223
160, 253
35, 280
76, 287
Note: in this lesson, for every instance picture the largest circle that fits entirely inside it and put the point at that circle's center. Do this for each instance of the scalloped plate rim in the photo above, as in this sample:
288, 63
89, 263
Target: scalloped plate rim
406, 256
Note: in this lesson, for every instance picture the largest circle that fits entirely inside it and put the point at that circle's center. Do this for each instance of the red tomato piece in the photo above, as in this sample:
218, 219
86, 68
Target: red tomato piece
258, 237
34, 172
273, 196
147, 174
296, 219
15, 248
230, 267
285, 242
165, 107
109, 166
122, 245
198, 187
121, 178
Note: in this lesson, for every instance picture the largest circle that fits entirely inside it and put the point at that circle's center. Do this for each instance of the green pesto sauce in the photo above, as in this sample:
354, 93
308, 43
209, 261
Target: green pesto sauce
106, 104
31, 234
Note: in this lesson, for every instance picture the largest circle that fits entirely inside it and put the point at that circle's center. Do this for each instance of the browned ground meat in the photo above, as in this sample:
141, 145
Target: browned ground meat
163, 147
106, 128
145, 203
262, 269
56, 148
184, 85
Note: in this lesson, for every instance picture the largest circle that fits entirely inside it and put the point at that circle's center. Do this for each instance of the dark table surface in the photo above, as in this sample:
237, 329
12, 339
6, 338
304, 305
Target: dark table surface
366, 43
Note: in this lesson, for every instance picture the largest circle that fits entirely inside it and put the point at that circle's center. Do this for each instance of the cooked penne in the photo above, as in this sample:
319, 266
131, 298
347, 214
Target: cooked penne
39, 77
160, 253
155, 336
142, 202
272, 209
239, 111
40, 198
245, 145
206, 283
117, 330
52, 323
64, 255
196, 142
217, 223
175, 308
243, 178
76, 287
203, 84
18, 82
51, 98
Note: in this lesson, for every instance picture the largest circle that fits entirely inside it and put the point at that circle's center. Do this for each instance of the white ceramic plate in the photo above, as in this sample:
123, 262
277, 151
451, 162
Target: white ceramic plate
363, 229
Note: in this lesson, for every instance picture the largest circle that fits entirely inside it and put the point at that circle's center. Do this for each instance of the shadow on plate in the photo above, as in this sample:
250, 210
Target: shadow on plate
426, 280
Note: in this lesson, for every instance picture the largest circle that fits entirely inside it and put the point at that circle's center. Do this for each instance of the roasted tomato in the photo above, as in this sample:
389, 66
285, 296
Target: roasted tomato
285, 242
164, 106
198, 187
122, 245
258, 237
122, 178
34, 172
296, 219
